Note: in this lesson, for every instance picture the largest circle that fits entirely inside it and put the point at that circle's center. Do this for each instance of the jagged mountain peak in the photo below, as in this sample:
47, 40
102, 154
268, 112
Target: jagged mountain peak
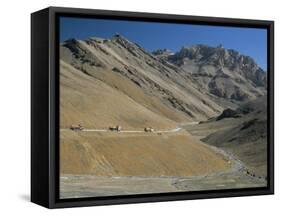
121, 39
218, 55
119, 36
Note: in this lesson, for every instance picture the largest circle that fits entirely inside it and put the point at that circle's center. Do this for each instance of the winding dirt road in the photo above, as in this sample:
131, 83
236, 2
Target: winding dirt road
135, 131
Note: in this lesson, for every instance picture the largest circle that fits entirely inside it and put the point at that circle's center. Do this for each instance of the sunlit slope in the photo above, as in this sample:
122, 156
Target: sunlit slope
94, 104
121, 63
113, 154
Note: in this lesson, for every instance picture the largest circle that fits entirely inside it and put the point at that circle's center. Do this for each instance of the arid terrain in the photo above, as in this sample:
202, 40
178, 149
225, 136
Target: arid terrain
135, 122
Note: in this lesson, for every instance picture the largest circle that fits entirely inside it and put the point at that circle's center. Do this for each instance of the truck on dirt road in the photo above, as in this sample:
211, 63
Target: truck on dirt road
78, 127
148, 129
115, 128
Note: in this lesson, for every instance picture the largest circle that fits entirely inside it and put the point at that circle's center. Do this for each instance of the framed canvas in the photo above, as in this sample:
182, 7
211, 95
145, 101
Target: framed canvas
139, 107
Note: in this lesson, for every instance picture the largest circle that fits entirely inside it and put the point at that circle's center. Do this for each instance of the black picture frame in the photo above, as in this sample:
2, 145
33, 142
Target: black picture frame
45, 107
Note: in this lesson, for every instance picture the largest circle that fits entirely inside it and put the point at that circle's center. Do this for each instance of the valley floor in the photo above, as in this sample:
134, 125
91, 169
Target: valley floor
108, 164
95, 186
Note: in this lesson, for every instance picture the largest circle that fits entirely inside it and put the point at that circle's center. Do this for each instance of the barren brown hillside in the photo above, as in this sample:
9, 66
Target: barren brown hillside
112, 154
87, 100
128, 68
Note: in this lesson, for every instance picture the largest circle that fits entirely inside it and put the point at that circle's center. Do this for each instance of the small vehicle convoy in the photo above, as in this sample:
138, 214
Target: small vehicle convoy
116, 128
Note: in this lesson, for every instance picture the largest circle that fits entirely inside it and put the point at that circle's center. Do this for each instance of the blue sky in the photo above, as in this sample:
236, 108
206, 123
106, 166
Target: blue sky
152, 36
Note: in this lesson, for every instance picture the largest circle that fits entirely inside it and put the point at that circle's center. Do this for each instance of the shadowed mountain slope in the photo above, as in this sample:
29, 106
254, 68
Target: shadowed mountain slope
248, 139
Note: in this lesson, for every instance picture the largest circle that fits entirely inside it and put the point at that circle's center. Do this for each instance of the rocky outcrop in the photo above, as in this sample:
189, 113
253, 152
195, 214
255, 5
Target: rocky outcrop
223, 72
228, 113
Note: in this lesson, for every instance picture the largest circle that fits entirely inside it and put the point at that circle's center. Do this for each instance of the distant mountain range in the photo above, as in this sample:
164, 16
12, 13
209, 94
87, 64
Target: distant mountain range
224, 73
159, 88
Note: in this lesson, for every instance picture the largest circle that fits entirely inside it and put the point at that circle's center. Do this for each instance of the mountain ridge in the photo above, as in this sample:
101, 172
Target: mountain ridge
214, 67
159, 79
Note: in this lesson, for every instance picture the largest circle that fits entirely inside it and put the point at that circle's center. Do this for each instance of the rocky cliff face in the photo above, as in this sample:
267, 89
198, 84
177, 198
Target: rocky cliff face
222, 72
